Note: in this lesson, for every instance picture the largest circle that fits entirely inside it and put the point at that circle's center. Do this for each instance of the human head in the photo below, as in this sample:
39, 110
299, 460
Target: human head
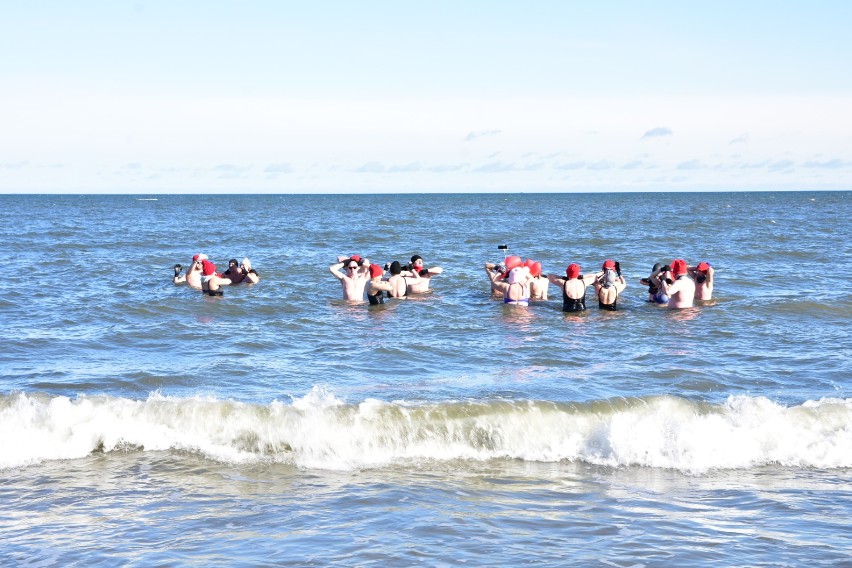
573, 270
246, 263
656, 268
395, 268
416, 260
512, 262
351, 266
518, 274
376, 271
535, 269
703, 267
233, 264
608, 265
678, 267
207, 267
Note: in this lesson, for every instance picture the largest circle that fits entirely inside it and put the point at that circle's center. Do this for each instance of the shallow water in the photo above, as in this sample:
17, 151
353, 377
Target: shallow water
141, 422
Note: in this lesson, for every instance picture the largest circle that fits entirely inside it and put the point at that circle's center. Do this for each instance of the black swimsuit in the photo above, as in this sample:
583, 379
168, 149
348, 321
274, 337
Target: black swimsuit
610, 307
573, 304
376, 299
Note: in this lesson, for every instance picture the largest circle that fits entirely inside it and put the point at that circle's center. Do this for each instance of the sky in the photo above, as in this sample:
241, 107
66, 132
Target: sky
442, 96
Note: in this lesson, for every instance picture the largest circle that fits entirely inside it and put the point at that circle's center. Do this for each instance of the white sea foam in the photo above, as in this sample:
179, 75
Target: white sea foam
321, 431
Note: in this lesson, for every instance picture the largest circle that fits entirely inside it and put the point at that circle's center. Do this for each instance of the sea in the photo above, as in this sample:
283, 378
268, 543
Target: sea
145, 424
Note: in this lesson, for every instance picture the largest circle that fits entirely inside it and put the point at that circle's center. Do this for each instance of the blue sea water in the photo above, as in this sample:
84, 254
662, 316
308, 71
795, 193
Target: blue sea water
143, 423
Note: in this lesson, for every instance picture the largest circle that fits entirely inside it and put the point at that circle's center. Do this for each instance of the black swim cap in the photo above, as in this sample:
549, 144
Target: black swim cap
415, 258
395, 267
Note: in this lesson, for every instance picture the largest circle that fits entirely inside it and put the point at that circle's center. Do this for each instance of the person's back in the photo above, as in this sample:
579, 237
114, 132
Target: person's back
681, 291
518, 289
399, 286
609, 285
211, 283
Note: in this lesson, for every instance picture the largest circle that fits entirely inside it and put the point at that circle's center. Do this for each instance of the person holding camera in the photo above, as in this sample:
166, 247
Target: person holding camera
608, 285
193, 274
680, 288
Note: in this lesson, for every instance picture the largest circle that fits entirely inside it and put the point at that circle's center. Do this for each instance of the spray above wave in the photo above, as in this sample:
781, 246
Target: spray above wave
321, 431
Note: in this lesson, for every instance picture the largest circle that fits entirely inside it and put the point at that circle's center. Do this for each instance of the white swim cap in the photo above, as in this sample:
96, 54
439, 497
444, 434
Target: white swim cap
519, 273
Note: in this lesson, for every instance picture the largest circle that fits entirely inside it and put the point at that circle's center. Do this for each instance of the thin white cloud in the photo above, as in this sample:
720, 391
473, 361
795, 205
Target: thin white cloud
655, 132
602, 165
406, 168
370, 168
690, 165
828, 165
481, 134
782, 166
741, 139
281, 168
571, 165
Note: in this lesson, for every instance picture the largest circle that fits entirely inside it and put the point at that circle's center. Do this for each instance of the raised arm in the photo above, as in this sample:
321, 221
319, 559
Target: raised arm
335, 269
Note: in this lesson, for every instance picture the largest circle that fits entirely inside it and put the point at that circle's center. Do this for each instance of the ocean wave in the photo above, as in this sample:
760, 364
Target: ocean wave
323, 432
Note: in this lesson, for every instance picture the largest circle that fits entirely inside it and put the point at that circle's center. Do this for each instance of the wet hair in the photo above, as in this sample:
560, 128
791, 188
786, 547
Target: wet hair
395, 267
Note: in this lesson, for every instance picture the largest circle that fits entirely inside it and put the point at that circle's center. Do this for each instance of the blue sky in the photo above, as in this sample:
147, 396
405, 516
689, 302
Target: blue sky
171, 96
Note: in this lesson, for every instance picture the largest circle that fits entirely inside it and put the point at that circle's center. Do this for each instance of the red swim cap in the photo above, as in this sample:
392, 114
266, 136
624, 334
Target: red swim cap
376, 270
573, 270
512, 262
608, 265
207, 267
702, 266
678, 267
535, 269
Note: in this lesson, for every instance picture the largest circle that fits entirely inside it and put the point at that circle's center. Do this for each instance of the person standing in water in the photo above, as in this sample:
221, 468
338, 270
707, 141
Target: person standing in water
681, 291
419, 282
353, 274
703, 276
573, 287
608, 285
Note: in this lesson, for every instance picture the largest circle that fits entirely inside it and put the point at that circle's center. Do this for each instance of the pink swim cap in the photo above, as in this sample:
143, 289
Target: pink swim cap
513, 262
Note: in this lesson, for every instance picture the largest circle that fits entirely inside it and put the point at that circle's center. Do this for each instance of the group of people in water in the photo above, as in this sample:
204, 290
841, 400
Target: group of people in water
202, 275
359, 277
515, 281
677, 285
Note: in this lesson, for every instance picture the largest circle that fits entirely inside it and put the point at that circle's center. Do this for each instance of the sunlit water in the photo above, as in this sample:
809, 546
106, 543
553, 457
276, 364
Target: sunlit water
143, 423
